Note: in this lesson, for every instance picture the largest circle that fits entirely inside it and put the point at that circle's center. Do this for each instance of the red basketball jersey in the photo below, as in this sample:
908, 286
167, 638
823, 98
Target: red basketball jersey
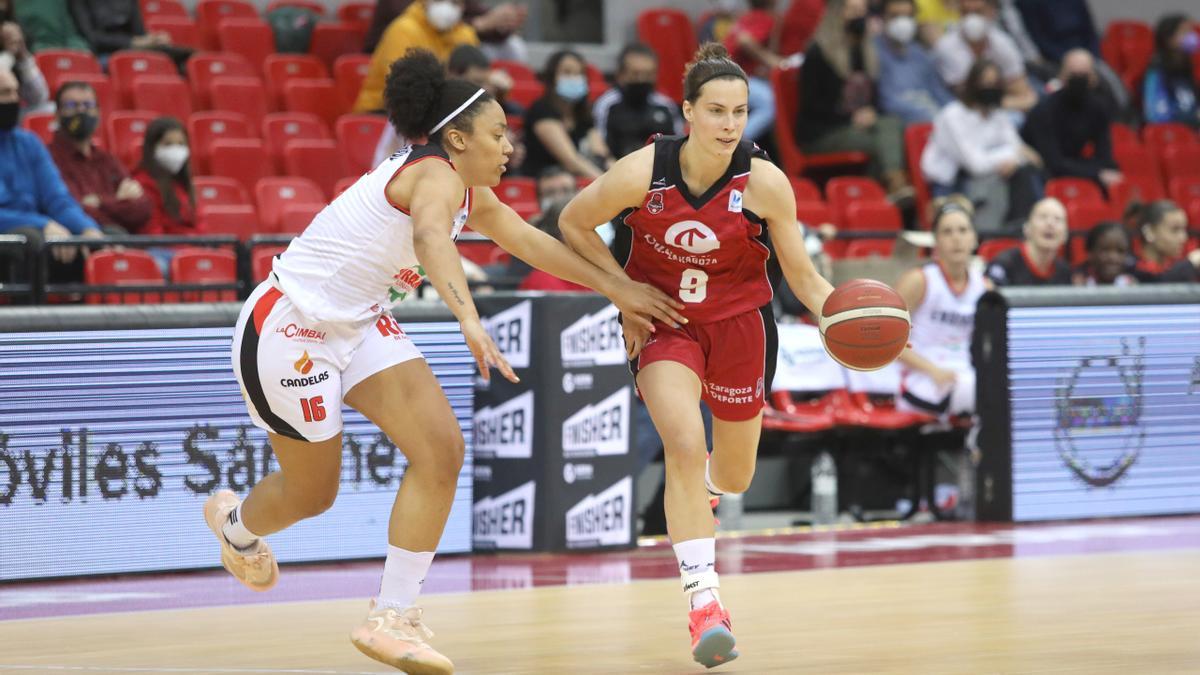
707, 251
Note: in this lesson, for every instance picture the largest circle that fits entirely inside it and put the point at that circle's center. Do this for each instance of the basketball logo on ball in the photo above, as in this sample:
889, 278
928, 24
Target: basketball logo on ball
864, 324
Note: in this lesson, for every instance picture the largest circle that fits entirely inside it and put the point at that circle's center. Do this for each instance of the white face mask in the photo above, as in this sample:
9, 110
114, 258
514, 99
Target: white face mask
902, 29
171, 157
443, 14
975, 27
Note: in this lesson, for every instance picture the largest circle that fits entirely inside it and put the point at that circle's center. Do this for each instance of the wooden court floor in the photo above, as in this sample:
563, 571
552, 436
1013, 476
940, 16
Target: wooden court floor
1111, 613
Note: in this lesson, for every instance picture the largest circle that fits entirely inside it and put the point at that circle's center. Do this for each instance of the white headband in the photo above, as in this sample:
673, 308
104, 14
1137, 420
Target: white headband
459, 109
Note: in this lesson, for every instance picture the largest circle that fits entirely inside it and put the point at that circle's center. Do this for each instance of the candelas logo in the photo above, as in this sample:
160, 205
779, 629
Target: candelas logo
692, 236
300, 333
303, 365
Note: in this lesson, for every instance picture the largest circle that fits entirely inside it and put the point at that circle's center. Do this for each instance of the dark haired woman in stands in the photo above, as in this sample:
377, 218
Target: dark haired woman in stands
1162, 225
1108, 257
335, 287
558, 126
1169, 89
166, 177
700, 207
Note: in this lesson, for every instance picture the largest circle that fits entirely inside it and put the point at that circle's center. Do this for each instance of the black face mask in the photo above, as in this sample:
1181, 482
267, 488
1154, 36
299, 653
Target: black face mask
856, 27
1076, 90
637, 94
9, 112
990, 96
79, 126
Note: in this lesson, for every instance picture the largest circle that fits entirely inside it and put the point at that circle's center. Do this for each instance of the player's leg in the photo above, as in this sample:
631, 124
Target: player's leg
735, 451
741, 365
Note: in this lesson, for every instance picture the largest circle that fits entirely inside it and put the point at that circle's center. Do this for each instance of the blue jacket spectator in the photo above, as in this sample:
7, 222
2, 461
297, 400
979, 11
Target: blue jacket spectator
32, 192
1058, 27
909, 85
1169, 92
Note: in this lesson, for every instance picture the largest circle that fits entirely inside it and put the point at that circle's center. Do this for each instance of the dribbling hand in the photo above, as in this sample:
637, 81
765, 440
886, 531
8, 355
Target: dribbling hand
642, 303
487, 355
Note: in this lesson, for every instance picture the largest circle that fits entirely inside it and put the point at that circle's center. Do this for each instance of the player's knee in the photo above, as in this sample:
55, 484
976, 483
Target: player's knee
316, 501
684, 451
442, 460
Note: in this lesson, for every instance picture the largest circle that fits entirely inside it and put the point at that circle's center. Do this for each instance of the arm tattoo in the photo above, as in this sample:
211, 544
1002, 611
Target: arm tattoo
454, 292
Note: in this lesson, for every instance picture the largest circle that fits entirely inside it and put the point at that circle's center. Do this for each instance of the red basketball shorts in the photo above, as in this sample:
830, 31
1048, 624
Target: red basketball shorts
734, 359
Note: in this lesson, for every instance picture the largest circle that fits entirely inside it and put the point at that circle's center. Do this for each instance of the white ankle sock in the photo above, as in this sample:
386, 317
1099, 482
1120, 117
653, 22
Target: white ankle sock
403, 574
713, 491
235, 531
696, 556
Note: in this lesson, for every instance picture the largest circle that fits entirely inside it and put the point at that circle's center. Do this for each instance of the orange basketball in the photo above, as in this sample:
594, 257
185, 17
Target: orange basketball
864, 324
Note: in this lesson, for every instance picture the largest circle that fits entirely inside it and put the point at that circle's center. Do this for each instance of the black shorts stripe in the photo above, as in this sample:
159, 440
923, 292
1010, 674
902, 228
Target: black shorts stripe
253, 383
936, 408
771, 354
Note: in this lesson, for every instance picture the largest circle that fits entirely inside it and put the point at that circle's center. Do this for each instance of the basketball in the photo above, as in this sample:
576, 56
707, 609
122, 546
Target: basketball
864, 324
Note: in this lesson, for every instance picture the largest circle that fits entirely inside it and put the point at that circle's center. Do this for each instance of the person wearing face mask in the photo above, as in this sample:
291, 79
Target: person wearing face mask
1162, 226
1108, 258
434, 25
1169, 90
1070, 128
909, 85
558, 126
93, 175
15, 56
633, 111
1036, 262
166, 178
975, 150
752, 44
977, 36
838, 100
497, 24
34, 201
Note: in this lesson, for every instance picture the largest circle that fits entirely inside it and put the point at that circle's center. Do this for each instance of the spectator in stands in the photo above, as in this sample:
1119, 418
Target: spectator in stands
1108, 259
1060, 26
113, 25
975, 150
558, 126
909, 85
1162, 226
1036, 262
937, 377
555, 184
799, 23
496, 26
1070, 128
1169, 91
631, 112
166, 178
538, 280
48, 25
837, 113
93, 175
436, 25
977, 36
749, 43
15, 56
934, 17
34, 202
715, 24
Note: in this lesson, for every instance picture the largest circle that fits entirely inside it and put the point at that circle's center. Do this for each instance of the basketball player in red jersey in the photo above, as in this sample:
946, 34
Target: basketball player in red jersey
700, 208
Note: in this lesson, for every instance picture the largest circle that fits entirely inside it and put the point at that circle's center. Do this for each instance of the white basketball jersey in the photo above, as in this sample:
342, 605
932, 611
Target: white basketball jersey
942, 325
356, 259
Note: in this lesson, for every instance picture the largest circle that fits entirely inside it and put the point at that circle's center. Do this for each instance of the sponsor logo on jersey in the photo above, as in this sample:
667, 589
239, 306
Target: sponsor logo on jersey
510, 331
732, 395
574, 472
599, 429
655, 205
692, 236
506, 430
293, 382
735, 201
405, 282
593, 340
506, 521
301, 334
304, 364
602, 519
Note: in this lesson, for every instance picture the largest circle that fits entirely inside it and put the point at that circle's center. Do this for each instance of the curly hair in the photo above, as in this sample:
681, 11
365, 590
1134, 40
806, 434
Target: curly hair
418, 95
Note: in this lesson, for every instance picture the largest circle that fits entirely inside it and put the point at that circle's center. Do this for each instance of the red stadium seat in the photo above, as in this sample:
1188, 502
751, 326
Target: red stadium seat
992, 247
124, 67
283, 68
129, 267
358, 136
670, 34
1184, 189
1193, 211
238, 220
915, 138
218, 191
153, 8
1127, 46
317, 8
60, 65
1136, 160
275, 193
1141, 188
1082, 215
1068, 190
1181, 161
207, 126
343, 184
243, 95
43, 124
279, 129
525, 92
519, 193
813, 214
296, 217
261, 261
194, 265
316, 96
204, 67
865, 248
356, 13
242, 159
518, 71
843, 191
210, 13
318, 160
252, 38
166, 95
1124, 135
786, 83
349, 71
481, 252
1158, 137
125, 131
183, 31
867, 215
805, 190
333, 39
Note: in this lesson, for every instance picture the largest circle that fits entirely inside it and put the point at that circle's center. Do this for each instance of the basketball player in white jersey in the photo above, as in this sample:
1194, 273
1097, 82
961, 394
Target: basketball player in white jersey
319, 333
937, 376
